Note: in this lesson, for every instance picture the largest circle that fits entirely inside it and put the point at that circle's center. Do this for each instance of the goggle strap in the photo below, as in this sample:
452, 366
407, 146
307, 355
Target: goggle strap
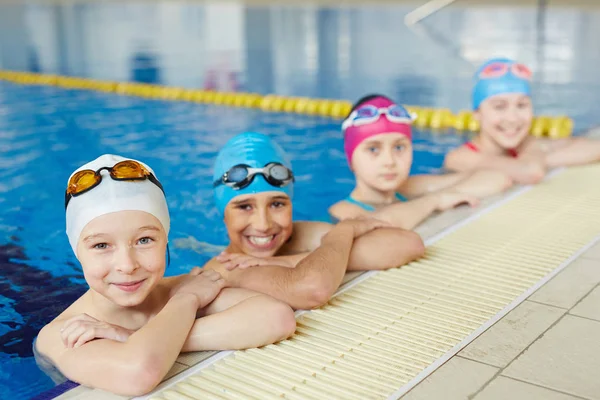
145, 174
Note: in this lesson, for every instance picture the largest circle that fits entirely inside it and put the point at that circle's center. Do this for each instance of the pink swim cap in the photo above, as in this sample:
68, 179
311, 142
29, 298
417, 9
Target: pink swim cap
356, 134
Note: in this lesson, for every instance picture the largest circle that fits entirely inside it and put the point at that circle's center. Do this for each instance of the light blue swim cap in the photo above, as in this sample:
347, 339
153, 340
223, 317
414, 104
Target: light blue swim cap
507, 83
255, 150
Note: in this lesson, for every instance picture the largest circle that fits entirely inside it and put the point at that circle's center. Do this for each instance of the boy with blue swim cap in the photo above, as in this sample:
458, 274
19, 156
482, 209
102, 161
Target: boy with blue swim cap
502, 105
250, 163
301, 263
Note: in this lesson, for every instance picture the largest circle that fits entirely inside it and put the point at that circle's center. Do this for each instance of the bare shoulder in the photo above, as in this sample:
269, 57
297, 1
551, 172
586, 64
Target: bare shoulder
306, 237
48, 341
171, 281
214, 265
335, 209
168, 283
461, 159
420, 179
311, 228
532, 145
343, 210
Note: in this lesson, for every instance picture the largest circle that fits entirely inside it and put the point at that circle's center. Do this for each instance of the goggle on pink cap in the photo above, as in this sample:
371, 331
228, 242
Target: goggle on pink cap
374, 117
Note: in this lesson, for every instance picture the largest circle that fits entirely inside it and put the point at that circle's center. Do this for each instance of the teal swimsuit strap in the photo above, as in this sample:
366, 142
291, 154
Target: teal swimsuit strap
368, 207
362, 205
401, 198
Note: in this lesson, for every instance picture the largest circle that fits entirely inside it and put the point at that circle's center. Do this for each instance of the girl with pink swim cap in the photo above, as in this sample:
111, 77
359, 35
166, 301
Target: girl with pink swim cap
378, 146
502, 105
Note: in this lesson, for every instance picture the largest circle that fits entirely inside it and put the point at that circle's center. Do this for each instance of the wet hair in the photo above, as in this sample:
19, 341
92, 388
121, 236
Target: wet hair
366, 98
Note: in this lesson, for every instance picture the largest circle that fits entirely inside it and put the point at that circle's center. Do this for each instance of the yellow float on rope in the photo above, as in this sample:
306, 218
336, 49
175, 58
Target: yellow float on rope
560, 128
440, 118
539, 126
542, 126
312, 106
324, 108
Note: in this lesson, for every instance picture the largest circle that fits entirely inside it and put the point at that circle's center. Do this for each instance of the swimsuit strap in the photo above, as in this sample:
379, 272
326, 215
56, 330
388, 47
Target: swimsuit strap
362, 205
368, 207
401, 198
472, 146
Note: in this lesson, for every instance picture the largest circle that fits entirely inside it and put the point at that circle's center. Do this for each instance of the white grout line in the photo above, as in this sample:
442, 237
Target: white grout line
452, 352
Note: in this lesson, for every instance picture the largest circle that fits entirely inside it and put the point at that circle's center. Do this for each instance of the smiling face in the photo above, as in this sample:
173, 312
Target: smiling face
506, 119
383, 161
259, 224
123, 255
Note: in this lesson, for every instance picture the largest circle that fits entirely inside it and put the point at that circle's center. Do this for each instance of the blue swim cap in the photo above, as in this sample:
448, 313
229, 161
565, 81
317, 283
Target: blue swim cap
505, 83
255, 150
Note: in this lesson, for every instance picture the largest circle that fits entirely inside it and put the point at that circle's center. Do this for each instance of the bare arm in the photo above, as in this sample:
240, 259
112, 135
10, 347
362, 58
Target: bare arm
409, 214
379, 249
419, 185
241, 319
572, 152
231, 261
525, 170
484, 183
315, 278
385, 248
130, 368
405, 215
135, 366
311, 283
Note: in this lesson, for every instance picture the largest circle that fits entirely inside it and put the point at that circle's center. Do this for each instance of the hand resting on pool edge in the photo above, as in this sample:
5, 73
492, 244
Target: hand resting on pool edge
304, 261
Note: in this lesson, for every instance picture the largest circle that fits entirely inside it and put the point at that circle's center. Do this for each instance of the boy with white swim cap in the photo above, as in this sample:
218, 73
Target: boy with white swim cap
124, 334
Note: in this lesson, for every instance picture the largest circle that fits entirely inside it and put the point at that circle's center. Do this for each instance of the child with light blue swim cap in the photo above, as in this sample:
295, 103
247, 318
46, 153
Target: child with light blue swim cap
301, 263
499, 76
502, 105
251, 163
378, 144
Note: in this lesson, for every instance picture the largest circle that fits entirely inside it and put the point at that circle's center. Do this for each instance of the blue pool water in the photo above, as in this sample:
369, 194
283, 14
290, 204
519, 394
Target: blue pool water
47, 132
342, 53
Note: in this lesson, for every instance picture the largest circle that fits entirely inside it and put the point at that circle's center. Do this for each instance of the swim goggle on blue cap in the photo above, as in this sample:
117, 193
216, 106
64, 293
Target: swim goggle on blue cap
250, 163
499, 76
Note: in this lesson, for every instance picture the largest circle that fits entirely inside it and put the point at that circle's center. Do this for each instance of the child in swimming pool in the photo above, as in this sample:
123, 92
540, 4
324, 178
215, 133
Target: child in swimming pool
502, 104
124, 334
378, 146
299, 262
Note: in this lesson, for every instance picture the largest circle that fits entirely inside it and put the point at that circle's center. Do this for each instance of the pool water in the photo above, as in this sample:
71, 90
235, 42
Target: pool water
46, 132
340, 53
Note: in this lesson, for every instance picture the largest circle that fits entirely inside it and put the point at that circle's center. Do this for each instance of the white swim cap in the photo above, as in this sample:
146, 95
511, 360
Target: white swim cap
112, 196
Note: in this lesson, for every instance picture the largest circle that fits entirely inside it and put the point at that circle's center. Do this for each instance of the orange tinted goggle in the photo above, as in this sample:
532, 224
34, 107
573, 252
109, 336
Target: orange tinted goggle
87, 179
